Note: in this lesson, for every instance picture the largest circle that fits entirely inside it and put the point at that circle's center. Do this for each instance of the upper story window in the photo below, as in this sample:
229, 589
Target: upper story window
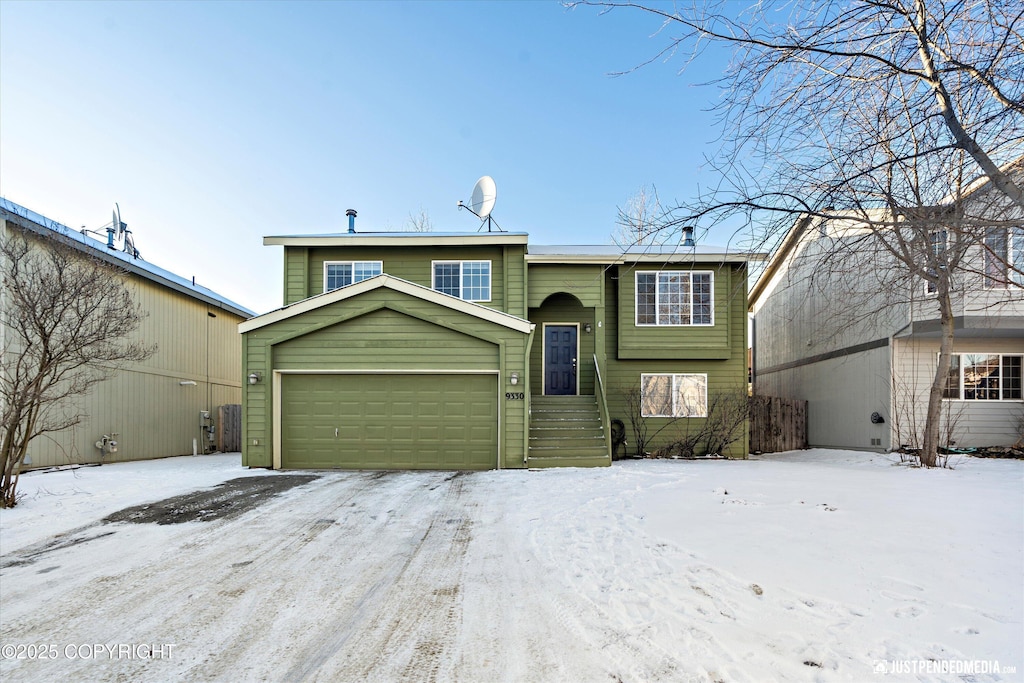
469, 280
984, 377
674, 297
341, 273
1004, 257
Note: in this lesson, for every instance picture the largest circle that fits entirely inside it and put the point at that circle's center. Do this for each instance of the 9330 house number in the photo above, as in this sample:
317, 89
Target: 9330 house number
515, 396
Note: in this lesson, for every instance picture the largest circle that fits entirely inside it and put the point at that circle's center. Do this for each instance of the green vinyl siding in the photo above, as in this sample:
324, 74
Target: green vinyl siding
296, 275
686, 341
304, 269
381, 330
725, 375
585, 282
390, 421
391, 332
385, 339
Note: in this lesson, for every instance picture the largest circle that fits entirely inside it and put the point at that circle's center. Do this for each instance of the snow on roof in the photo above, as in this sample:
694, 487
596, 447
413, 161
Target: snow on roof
42, 224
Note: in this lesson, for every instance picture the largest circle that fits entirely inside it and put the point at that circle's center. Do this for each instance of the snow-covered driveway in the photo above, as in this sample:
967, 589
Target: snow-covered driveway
811, 566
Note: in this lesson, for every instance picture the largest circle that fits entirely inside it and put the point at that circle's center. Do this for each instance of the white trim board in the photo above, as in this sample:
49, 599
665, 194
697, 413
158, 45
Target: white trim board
398, 285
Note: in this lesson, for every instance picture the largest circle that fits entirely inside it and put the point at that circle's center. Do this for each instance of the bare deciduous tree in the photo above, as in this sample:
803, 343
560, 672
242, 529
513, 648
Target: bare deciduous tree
869, 114
420, 222
727, 415
640, 220
67, 319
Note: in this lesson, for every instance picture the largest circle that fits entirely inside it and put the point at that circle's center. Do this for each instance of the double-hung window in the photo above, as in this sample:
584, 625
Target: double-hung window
342, 273
984, 377
674, 297
469, 280
1004, 257
674, 395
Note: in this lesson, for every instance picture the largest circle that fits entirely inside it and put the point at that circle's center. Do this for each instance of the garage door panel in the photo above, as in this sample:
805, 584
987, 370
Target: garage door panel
389, 421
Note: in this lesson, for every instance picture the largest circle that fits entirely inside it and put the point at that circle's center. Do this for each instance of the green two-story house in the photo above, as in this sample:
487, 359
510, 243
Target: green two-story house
481, 351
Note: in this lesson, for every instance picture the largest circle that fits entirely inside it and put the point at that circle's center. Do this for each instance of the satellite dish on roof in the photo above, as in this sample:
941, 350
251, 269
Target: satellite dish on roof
485, 192
120, 227
119, 230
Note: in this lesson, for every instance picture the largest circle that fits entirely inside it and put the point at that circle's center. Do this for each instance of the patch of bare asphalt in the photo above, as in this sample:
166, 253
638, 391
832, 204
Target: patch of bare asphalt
223, 501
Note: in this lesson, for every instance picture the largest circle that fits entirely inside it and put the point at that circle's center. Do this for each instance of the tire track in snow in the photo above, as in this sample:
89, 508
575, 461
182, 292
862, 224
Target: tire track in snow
402, 626
331, 576
202, 587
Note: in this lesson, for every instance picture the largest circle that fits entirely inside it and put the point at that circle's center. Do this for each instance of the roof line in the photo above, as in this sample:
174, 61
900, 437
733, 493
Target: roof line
36, 222
398, 284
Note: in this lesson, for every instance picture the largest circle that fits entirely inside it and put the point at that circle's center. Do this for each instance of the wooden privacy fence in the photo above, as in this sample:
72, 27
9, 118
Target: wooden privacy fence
777, 424
229, 428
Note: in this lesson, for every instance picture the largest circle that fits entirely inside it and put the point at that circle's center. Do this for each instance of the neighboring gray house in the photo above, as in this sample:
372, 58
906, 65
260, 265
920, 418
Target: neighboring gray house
863, 353
157, 407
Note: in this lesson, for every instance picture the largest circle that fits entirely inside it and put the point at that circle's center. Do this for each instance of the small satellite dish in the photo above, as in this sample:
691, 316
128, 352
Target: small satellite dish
484, 194
118, 230
118, 225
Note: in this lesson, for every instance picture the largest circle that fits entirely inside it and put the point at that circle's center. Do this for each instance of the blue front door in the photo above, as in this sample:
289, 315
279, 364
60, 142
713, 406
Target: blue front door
560, 360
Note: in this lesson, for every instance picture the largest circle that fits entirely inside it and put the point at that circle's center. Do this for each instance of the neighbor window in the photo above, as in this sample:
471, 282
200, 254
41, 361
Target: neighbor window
984, 377
342, 273
1004, 257
469, 280
674, 395
674, 297
937, 243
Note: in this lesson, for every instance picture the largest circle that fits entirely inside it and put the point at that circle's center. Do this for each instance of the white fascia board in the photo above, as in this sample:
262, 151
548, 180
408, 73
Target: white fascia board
397, 284
646, 258
396, 239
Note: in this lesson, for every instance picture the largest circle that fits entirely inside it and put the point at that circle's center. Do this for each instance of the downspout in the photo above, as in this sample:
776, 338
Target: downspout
893, 421
529, 394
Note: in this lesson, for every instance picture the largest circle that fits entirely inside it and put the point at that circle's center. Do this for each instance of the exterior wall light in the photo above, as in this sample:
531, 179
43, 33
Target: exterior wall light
513, 378
587, 328
254, 377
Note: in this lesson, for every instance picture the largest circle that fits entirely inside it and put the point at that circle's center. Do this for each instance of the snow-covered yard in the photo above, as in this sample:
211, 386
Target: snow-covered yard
815, 565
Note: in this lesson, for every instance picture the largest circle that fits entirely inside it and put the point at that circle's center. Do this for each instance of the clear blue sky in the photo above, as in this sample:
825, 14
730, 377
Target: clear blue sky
213, 124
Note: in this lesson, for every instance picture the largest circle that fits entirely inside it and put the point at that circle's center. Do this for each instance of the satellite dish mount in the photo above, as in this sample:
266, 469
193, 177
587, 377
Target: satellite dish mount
118, 230
485, 192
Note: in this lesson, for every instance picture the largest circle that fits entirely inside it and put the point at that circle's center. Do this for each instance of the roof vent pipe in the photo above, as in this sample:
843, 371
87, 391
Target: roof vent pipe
688, 237
351, 213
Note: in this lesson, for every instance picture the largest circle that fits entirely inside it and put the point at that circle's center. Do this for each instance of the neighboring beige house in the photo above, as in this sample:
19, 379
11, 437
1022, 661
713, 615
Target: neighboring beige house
863, 356
156, 408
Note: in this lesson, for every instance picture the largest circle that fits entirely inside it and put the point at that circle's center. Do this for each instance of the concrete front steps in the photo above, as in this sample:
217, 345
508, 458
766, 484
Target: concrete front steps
566, 431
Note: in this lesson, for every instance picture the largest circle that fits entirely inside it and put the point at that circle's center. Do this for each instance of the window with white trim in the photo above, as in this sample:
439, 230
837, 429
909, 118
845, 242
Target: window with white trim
674, 395
468, 280
1004, 257
343, 273
984, 377
674, 297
